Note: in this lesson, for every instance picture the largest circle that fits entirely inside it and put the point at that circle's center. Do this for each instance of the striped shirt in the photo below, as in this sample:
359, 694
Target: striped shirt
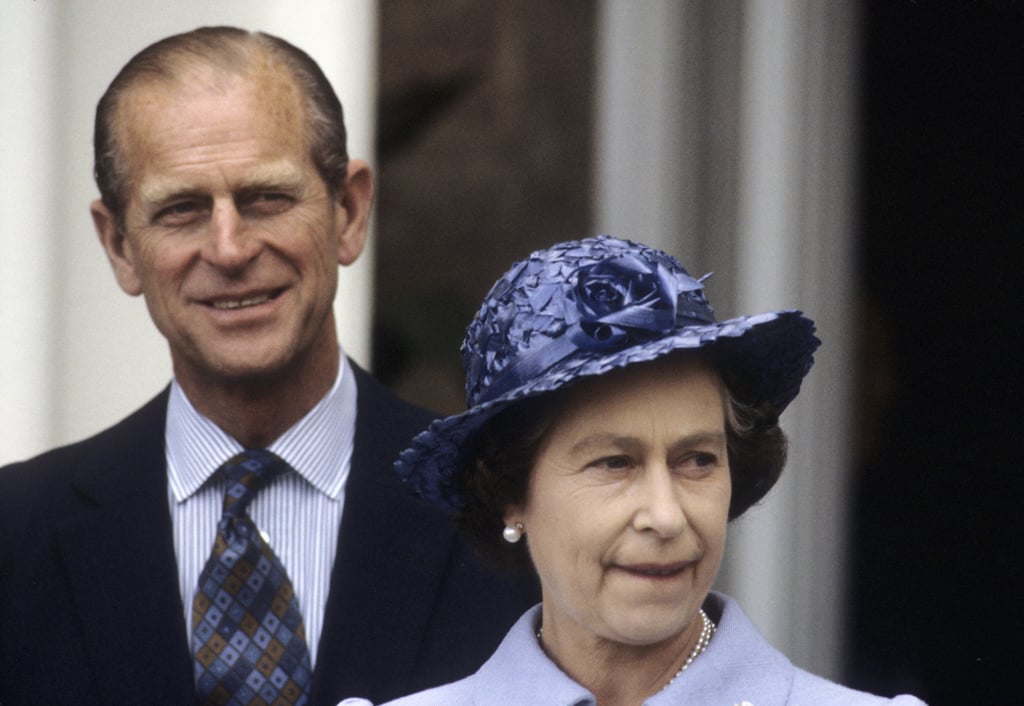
299, 513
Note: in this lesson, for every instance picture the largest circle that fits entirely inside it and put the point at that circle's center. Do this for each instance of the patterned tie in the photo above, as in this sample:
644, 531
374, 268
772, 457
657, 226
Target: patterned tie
248, 639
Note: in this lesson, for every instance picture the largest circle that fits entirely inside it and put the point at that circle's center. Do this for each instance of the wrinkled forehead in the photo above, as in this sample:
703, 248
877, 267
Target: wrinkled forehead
205, 112
269, 90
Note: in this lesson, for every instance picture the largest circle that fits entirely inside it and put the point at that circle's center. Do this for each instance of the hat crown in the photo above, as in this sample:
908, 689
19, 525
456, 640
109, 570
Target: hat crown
582, 309
581, 299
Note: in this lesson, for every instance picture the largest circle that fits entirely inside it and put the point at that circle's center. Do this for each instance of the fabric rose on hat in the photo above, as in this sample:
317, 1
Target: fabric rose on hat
623, 301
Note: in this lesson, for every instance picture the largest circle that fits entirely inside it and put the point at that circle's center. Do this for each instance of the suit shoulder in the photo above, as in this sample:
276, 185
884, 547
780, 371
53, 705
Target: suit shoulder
33, 481
377, 402
130, 431
385, 423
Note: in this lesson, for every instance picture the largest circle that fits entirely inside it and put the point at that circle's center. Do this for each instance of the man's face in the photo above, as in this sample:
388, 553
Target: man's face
230, 233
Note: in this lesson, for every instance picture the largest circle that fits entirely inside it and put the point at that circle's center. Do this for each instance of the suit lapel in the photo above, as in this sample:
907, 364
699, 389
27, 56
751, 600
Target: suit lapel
119, 558
392, 554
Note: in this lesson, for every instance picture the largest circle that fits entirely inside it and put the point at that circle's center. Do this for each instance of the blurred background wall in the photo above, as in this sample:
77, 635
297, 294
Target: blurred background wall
861, 161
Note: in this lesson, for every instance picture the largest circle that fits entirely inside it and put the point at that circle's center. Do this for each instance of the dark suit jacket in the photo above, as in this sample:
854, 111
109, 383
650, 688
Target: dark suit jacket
90, 611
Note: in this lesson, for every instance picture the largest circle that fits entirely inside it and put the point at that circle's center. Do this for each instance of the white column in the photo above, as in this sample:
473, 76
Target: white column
791, 249
644, 165
28, 69
786, 559
100, 354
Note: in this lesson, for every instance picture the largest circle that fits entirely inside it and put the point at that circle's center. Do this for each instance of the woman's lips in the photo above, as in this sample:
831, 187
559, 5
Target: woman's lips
655, 571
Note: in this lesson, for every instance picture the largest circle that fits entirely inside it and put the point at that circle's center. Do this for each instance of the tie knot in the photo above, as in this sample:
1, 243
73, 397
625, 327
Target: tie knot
247, 473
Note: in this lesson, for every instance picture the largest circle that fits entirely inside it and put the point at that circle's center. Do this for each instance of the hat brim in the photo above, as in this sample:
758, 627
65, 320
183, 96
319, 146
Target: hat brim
764, 356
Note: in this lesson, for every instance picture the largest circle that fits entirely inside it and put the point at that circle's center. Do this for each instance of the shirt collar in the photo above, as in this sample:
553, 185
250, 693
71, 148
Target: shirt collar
318, 446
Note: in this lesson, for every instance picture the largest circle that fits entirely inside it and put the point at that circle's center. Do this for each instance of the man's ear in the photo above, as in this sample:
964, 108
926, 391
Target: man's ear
355, 197
114, 244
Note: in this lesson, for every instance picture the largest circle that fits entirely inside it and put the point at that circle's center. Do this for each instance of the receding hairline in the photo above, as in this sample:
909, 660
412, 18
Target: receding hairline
249, 60
225, 48
218, 54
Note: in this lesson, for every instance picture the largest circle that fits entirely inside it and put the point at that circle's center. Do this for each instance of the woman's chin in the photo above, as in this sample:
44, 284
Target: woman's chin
650, 628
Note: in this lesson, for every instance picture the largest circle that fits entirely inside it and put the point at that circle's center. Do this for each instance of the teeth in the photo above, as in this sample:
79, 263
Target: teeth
252, 301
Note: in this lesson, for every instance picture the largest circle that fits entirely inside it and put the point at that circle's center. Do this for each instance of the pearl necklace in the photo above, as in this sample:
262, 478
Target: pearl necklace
707, 629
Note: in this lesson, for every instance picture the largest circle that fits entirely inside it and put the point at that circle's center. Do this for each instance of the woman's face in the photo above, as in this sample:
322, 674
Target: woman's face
628, 503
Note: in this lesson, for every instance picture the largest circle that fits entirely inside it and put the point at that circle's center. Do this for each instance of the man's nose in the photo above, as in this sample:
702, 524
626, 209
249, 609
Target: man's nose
231, 243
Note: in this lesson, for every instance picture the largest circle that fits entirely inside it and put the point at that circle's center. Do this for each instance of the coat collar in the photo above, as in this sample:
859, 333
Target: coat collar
738, 666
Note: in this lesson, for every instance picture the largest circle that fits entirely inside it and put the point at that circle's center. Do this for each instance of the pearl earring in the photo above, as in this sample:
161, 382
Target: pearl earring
513, 533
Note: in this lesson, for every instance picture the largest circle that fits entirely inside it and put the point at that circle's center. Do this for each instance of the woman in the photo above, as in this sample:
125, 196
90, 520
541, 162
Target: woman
614, 429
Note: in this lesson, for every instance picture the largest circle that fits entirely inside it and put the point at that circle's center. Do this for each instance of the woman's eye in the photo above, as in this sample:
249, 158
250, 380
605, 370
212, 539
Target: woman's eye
705, 459
698, 463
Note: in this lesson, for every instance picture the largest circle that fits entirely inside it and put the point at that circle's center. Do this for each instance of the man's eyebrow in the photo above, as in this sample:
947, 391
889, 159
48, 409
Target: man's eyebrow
165, 190
275, 176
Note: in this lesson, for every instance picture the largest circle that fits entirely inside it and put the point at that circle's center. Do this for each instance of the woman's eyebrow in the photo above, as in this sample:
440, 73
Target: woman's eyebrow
701, 439
604, 441
627, 443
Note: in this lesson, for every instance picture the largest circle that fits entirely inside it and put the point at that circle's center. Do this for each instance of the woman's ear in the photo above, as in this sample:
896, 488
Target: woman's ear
513, 514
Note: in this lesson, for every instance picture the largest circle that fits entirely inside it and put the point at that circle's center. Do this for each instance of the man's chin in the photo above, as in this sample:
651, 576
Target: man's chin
240, 371
257, 366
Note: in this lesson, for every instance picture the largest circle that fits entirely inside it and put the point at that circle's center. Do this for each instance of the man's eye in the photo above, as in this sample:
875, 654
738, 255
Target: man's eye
266, 202
177, 213
612, 463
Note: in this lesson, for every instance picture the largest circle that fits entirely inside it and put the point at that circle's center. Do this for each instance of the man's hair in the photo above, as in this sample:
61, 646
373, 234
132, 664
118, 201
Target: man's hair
229, 49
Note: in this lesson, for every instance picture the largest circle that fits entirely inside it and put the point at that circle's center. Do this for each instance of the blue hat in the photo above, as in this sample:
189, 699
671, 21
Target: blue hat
583, 308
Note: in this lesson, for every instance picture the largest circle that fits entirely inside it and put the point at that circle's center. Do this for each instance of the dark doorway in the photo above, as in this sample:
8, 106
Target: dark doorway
935, 596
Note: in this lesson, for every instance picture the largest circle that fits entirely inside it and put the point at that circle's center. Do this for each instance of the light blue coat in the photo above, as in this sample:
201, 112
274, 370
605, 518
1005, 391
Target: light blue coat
739, 668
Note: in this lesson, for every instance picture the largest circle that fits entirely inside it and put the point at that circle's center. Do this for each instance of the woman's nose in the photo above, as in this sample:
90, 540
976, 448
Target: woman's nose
659, 507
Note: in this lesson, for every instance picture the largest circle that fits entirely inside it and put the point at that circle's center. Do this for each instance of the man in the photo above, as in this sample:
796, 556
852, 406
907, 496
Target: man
227, 202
